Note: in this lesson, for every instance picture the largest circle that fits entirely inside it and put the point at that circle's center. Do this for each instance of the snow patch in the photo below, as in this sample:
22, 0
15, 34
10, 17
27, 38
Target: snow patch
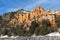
54, 34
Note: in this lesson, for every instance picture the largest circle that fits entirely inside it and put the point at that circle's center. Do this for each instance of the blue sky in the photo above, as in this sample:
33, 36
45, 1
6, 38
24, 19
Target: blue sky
14, 5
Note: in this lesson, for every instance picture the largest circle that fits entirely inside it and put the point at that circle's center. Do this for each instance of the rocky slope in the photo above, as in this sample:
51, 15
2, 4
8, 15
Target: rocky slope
22, 15
25, 18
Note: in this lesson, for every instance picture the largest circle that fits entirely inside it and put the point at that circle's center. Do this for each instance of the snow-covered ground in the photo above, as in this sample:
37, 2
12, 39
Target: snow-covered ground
54, 34
51, 34
8, 37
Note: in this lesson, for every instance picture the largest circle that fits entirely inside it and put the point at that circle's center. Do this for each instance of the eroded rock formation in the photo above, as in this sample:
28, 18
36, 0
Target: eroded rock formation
38, 15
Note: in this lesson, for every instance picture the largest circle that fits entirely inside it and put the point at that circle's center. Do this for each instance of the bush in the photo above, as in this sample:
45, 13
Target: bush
34, 25
45, 28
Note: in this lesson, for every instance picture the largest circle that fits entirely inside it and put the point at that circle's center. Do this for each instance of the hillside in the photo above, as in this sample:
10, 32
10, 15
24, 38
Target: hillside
27, 23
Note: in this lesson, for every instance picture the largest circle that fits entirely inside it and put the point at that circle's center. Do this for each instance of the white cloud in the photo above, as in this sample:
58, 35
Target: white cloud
51, 3
35, 3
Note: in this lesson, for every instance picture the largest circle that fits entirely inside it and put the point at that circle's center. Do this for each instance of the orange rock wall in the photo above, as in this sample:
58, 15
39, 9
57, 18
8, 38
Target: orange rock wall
38, 11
